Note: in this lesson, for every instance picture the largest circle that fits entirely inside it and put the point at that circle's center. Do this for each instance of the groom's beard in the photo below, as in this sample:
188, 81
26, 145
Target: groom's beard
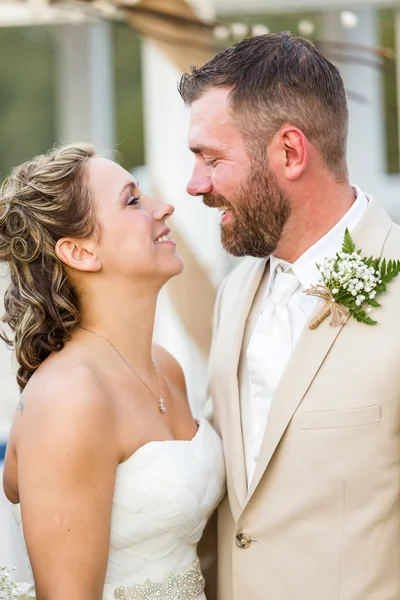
259, 213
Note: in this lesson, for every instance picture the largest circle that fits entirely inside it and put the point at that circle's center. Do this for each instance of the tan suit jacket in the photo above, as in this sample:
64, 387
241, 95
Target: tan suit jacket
322, 516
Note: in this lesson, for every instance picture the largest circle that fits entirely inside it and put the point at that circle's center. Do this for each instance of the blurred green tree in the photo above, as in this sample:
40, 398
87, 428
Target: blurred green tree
28, 108
129, 134
27, 100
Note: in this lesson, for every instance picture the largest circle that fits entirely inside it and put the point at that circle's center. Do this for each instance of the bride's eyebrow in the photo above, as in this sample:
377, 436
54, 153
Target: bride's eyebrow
128, 186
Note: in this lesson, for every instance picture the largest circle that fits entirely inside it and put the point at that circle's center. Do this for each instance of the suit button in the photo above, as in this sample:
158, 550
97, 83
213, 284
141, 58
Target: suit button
243, 541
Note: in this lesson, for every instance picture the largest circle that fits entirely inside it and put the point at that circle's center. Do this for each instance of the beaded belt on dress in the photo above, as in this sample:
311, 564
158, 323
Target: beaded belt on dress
175, 587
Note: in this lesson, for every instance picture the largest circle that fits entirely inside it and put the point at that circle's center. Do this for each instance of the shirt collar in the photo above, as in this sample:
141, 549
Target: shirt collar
305, 267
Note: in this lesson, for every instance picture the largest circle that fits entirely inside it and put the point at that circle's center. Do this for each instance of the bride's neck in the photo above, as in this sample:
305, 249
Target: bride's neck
125, 320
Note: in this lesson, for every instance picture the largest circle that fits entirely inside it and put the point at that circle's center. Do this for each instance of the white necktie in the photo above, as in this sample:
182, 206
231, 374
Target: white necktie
268, 353
275, 312
273, 329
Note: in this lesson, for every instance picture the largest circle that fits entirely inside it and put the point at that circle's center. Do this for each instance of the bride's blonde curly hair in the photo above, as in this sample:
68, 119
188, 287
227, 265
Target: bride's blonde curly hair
42, 201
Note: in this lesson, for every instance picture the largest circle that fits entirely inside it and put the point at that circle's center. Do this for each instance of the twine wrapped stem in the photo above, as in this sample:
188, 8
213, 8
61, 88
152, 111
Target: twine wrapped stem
338, 312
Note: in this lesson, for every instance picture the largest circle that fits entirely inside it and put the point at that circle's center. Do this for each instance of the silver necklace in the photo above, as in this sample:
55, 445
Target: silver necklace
160, 400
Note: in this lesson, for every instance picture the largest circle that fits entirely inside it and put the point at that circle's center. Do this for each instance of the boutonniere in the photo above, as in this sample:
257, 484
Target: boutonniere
349, 283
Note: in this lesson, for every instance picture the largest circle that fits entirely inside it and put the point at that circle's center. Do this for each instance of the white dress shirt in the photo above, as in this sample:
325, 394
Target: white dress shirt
263, 355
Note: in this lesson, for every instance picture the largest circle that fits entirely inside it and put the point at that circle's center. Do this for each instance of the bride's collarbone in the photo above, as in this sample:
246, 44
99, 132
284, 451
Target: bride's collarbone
138, 417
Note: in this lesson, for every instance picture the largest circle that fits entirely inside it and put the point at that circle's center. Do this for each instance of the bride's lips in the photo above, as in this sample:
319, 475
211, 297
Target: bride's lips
164, 237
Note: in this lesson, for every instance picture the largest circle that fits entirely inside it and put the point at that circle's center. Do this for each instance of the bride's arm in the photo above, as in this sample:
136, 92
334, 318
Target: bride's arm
66, 471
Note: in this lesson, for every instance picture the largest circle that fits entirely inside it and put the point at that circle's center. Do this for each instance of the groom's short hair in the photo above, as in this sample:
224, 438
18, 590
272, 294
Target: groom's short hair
279, 79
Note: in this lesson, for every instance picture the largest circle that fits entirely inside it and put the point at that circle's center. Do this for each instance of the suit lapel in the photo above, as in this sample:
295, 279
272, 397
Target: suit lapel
233, 329
313, 347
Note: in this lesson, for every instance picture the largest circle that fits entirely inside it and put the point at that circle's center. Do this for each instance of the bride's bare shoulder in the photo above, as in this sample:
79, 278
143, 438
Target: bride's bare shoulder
63, 394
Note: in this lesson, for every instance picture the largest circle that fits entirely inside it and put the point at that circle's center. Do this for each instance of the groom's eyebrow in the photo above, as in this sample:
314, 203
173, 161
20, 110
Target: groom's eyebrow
202, 149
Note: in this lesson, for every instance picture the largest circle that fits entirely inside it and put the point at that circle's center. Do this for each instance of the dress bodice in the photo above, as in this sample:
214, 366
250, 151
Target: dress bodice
164, 494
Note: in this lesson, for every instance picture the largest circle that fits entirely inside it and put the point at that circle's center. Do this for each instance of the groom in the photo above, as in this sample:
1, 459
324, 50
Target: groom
310, 419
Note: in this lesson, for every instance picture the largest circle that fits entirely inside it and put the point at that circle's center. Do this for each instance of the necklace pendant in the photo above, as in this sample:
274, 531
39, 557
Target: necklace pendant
161, 405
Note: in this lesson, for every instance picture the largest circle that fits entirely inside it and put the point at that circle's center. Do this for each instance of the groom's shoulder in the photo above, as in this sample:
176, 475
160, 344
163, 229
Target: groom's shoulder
390, 248
392, 242
380, 220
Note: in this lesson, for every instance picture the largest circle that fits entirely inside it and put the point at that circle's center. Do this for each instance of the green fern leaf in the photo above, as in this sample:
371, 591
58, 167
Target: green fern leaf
373, 303
375, 263
348, 245
362, 317
369, 321
383, 268
380, 288
392, 270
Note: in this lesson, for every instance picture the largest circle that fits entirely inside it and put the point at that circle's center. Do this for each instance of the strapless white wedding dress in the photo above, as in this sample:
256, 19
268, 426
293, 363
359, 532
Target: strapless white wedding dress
164, 494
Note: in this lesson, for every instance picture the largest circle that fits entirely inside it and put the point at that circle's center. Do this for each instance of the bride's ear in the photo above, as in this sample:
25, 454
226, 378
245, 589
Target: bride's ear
78, 254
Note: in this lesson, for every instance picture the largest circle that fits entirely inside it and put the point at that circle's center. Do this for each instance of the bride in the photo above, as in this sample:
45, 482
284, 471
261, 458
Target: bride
109, 476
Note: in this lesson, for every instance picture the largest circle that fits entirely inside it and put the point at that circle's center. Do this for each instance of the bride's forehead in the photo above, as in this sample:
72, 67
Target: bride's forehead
105, 173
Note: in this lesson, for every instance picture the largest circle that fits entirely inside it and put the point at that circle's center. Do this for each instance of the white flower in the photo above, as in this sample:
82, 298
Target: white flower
8, 588
348, 272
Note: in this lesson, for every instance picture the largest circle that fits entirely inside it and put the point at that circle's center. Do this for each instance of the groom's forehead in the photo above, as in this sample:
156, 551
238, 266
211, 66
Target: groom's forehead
210, 130
213, 102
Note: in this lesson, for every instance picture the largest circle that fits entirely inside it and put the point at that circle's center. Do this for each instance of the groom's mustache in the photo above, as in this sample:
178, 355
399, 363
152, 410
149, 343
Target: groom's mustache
215, 200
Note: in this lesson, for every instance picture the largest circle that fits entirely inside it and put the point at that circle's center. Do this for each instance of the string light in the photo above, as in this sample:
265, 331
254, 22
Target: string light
221, 32
239, 30
306, 27
259, 29
348, 19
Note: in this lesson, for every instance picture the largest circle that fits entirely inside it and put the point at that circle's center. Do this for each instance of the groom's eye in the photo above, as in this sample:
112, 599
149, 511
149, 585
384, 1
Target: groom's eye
211, 162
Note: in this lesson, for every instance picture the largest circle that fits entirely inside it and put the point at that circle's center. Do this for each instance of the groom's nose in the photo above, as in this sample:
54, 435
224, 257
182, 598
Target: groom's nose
199, 184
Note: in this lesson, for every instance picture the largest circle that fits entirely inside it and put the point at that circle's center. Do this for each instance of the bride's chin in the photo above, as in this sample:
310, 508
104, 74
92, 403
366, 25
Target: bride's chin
173, 269
177, 271
178, 266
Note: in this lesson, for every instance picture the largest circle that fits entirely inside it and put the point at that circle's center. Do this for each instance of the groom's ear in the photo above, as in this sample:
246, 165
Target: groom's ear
78, 254
292, 148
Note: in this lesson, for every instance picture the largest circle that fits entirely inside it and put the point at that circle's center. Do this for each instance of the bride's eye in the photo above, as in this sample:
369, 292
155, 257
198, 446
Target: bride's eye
132, 200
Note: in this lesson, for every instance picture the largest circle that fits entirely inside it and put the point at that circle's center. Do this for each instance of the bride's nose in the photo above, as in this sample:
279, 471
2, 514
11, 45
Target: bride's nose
163, 210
